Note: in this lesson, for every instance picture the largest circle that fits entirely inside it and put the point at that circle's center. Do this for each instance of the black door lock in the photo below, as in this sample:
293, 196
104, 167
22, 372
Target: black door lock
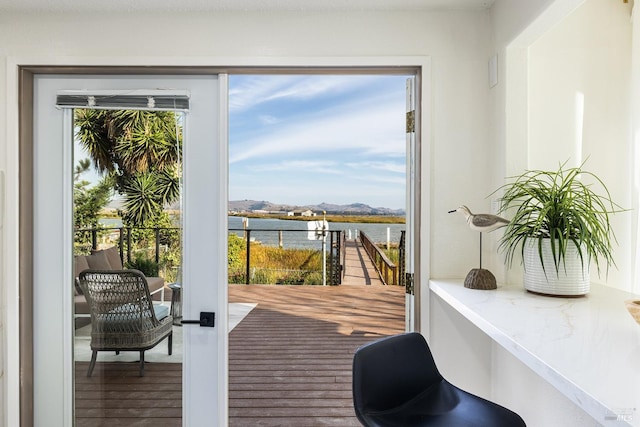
207, 319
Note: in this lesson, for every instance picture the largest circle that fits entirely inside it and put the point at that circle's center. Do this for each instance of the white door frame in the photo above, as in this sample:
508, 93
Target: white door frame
20, 72
204, 236
204, 253
410, 219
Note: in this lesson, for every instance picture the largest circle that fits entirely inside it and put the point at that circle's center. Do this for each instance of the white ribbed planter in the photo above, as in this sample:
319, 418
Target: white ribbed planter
572, 279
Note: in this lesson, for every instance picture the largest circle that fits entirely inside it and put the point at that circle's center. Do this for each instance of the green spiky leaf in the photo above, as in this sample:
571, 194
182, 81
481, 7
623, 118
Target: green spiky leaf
566, 205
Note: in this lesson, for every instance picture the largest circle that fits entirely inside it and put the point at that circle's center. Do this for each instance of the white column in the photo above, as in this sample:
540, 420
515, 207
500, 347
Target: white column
635, 129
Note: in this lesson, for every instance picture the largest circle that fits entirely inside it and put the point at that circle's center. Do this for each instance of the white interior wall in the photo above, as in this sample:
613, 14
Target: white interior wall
542, 405
541, 56
579, 109
457, 43
572, 46
461, 163
509, 19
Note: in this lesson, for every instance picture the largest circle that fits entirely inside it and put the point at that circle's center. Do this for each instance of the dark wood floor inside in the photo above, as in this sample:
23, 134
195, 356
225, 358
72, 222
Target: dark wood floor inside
289, 362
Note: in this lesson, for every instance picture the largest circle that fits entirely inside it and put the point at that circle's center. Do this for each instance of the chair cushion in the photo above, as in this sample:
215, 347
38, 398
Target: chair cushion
155, 283
126, 312
161, 311
130, 310
113, 257
81, 264
98, 261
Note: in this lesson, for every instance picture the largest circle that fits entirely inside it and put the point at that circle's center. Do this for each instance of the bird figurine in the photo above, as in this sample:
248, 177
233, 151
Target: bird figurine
480, 278
481, 222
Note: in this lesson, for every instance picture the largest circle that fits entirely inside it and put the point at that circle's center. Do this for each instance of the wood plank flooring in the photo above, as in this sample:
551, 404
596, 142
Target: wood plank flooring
115, 395
289, 362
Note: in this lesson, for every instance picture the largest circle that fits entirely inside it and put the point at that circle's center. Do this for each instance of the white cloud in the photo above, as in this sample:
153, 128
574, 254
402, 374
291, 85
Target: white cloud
394, 167
376, 129
266, 119
306, 166
255, 90
394, 180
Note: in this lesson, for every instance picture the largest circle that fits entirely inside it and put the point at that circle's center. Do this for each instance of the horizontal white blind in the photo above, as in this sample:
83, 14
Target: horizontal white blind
152, 100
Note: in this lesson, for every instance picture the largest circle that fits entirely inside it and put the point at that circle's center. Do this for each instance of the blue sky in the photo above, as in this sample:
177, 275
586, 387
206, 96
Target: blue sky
308, 139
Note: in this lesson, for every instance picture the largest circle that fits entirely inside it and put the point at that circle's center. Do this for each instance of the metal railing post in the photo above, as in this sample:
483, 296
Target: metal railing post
401, 260
129, 244
121, 244
157, 230
94, 239
248, 234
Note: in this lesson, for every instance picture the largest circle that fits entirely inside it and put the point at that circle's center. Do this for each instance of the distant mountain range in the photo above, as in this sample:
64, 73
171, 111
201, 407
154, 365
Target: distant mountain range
352, 209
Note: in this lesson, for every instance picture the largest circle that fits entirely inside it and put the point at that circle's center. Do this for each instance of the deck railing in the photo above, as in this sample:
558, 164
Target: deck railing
387, 270
337, 257
122, 238
334, 246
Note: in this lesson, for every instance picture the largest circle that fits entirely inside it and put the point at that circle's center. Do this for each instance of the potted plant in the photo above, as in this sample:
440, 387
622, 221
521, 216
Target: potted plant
560, 224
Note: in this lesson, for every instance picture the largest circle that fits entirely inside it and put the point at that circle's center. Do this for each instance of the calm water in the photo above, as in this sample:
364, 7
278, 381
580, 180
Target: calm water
295, 234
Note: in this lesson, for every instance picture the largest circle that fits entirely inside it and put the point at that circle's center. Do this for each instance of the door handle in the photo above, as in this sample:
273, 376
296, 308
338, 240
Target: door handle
207, 319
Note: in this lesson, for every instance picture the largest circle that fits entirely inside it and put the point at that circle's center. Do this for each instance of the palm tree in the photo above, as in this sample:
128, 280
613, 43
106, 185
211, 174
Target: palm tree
140, 151
88, 201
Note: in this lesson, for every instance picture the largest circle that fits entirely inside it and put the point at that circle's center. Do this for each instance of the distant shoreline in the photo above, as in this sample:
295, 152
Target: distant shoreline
358, 219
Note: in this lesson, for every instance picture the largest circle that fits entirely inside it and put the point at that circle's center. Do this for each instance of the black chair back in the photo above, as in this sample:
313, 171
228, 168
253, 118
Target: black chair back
381, 370
396, 384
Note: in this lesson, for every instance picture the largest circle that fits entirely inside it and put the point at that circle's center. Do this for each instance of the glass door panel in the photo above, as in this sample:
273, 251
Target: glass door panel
115, 388
127, 215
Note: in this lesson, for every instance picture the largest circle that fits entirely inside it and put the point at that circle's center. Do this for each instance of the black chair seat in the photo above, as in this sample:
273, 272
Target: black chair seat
396, 384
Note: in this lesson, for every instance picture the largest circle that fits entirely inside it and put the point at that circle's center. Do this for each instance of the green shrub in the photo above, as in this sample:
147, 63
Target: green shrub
147, 266
237, 247
313, 278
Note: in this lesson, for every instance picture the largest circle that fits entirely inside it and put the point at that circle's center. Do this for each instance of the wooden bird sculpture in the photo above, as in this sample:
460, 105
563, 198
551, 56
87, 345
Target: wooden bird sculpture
481, 222
479, 278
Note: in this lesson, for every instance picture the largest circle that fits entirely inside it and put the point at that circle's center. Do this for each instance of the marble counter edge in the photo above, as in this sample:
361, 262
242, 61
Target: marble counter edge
582, 398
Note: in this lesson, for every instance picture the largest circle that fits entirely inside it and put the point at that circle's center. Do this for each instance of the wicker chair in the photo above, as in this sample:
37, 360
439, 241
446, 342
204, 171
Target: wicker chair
122, 314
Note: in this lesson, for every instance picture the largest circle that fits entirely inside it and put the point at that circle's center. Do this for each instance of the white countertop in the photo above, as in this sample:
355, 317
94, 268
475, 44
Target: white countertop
588, 347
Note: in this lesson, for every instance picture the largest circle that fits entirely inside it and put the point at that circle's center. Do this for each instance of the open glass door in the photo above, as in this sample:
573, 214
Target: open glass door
411, 206
202, 373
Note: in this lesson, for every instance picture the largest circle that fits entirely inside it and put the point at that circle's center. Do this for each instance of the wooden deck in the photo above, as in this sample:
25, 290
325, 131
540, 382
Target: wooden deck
289, 362
358, 267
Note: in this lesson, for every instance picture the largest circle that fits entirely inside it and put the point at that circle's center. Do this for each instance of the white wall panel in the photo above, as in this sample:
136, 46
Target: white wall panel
579, 109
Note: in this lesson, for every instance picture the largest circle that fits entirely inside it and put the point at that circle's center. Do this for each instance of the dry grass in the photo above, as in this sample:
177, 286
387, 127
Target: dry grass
273, 265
